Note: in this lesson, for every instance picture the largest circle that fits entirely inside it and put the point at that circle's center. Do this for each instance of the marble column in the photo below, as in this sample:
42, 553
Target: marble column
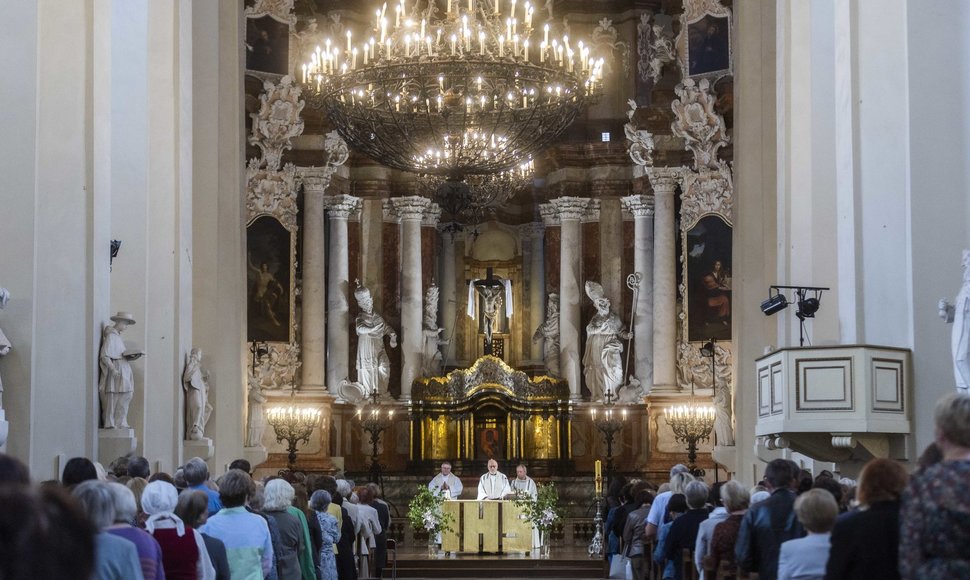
664, 181
537, 286
449, 296
570, 211
411, 210
339, 208
641, 206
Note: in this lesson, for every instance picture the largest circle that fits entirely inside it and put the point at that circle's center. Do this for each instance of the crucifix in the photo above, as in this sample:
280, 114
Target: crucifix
491, 290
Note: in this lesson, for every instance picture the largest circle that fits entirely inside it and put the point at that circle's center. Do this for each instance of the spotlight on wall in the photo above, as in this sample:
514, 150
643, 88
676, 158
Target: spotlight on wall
807, 298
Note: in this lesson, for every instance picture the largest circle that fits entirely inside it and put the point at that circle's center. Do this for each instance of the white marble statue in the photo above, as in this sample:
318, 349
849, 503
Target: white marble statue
256, 420
4, 343
431, 351
373, 366
195, 383
959, 314
723, 425
603, 359
548, 331
117, 384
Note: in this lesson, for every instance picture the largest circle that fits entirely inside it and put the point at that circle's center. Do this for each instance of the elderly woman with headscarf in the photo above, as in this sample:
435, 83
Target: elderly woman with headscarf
115, 557
319, 502
184, 555
149, 552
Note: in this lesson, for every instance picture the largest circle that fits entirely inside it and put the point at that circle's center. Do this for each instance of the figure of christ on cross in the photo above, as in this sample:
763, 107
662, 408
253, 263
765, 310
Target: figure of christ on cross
491, 290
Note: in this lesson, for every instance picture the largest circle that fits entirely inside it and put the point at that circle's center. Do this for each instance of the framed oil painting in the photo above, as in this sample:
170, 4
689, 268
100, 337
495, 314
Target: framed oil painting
709, 299
267, 45
269, 277
709, 46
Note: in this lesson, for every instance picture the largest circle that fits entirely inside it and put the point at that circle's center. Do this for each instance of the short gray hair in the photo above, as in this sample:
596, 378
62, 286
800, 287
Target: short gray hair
679, 468
97, 502
278, 495
696, 493
679, 481
195, 471
817, 510
735, 496
320, 500
952, 417
125, 506
344, 488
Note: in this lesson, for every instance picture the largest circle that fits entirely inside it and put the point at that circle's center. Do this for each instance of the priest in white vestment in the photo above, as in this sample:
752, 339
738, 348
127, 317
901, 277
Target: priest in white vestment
523, 486
446, 483
492, 485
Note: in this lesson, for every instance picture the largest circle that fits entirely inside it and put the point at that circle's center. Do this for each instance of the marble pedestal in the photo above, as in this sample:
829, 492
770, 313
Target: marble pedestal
255, 455
115, 443
727, 457
203, 448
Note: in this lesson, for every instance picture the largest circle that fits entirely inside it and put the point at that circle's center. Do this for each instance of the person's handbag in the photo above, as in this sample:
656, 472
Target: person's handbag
620, 567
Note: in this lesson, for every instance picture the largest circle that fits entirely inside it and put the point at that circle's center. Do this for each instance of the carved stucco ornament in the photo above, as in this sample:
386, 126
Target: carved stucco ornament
279, 10
655, 47
278, 121
698, 124
272, 193
641, 143
490, 373
606, 38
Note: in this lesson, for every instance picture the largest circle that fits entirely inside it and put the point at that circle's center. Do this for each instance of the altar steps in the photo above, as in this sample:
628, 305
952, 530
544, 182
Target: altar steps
497, 567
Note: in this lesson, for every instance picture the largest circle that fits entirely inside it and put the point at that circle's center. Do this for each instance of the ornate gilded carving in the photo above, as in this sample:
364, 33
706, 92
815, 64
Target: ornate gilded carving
277, 121
489, 373
701, 128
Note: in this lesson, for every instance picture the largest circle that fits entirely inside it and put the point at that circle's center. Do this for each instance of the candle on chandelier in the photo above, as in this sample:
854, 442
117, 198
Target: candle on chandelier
545, 39
481, 42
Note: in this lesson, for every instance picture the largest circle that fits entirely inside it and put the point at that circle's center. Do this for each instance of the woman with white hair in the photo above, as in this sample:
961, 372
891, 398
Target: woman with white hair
184, 555
277, 497
126, 510
115, 557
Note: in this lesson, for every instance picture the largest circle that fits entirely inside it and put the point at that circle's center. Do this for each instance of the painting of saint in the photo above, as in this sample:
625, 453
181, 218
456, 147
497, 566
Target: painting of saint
268, 267
267, 45
490, 442
709, 45
709, 280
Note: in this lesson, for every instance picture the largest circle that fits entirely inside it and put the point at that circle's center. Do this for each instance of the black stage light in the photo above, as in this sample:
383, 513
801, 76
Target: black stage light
807, 307
774, 304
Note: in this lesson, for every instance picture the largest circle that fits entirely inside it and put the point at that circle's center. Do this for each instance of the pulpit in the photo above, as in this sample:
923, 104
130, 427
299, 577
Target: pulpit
486, 526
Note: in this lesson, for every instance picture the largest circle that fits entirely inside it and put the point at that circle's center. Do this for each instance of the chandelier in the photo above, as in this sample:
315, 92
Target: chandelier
691, 424
469, 200
293, 425
471, 91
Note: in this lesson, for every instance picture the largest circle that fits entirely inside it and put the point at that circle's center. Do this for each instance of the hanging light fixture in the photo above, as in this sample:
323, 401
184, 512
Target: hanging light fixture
473, 90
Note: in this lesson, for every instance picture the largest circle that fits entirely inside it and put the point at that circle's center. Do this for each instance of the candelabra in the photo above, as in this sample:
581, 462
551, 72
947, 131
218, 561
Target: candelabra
293, 425
596, 544
375, 420
692, 423
608, 421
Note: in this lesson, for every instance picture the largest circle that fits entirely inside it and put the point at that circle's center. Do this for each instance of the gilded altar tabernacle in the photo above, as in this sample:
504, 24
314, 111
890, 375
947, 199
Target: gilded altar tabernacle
491, 411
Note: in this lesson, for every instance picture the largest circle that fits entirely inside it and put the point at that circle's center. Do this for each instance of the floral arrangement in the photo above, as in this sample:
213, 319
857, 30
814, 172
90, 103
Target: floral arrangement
426, 512
543, 511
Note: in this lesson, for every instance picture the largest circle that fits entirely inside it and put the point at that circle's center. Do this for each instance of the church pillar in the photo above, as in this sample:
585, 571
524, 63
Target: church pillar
664, 181
641, 206
411, 210
570, 210
449, 286
339, 208
314, 259
537, 286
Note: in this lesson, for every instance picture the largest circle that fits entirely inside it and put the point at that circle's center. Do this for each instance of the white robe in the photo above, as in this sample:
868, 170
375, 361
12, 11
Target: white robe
492, 486
527, 487
454, 485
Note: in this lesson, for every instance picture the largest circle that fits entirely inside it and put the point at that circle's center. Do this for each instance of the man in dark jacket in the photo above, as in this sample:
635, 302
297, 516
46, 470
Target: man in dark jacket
683, 531
769, 523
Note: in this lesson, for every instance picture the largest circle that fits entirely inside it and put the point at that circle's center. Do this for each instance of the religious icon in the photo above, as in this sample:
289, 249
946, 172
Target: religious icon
709, 45
268, 266
267, 45
708, 247
491, 444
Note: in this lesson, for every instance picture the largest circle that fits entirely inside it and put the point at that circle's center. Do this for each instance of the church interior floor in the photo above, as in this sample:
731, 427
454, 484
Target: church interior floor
563, 563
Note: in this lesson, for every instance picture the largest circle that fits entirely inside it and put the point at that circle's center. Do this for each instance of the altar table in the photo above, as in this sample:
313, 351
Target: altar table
486, 526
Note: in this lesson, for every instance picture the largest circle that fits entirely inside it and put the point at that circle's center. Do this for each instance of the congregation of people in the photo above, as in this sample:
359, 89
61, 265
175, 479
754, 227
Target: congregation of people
126, 523
888, 525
